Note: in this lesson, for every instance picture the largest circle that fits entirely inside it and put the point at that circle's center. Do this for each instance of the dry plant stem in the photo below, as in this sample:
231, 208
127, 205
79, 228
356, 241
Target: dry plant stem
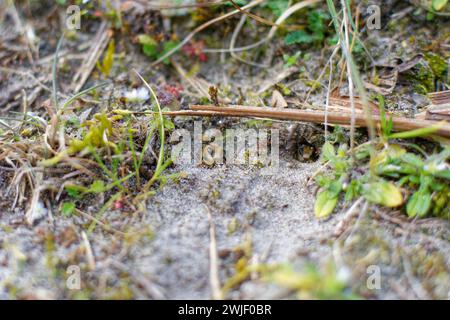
88, 250
350, 77
233, 42
151, 6
253, 16
329, 90
101, 224
286, 14
336, 118
213, 260
99, 44
195, 84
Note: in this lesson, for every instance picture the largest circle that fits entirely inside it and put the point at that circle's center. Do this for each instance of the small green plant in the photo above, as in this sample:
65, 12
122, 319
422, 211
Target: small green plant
277, 6
317, 26
106, 65
290, 60
67, 208
341, 179
438, 5
427, 180
310, 283
153, 49
382, 179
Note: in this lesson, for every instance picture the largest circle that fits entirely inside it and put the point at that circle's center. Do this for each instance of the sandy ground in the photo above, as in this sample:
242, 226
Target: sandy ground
276, 210
172, 260
164, 253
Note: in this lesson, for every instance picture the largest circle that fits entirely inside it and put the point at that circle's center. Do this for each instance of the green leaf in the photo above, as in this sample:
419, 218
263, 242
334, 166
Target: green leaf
353, 189
335, 188
418, 204
443, 174
290, 60
168, 46
422, 132
412, 159
150, 51
277, 6
107, 63
438, 5
328, 151
384, 193
298, 36
325, 204
97, 186
145, 39
72, 192
67, 208
168, 124
316, 23
149, 45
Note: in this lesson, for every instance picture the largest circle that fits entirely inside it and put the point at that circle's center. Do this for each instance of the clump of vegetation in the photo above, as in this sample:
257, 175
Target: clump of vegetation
392, 178
310, 283
385, 173
154, 49
108, 150
427, 73
316, 29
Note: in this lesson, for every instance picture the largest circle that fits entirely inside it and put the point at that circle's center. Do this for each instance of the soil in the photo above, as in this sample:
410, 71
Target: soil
164, 252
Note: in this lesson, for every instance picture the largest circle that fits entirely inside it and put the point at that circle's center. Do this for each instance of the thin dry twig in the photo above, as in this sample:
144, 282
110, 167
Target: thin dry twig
99, 43
213, 260
202, 27
89, 254
341, 118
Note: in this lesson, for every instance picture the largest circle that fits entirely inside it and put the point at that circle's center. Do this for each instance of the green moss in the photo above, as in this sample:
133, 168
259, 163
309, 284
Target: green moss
421, 77
424, 75
437, 64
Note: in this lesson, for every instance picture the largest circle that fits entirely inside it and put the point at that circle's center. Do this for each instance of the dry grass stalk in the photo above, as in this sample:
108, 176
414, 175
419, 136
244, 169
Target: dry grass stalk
341, 118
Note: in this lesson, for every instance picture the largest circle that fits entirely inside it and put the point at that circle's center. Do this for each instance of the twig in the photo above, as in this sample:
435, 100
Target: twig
341, 118
152, 289
99, 44
151, 6
350, 77
193, 82
286, 14
213, 260
89, 255
101, 224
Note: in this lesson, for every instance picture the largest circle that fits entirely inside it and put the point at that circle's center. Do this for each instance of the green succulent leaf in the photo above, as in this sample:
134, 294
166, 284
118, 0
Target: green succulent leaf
443, 174
97, 186
438, 5
149, 45
413, 160
325, 204
328, 151
67, 208
384, 193
418, 204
